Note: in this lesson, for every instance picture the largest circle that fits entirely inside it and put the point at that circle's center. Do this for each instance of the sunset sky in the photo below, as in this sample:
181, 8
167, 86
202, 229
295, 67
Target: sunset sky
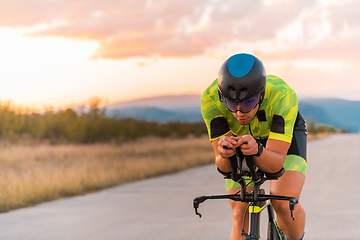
62, 52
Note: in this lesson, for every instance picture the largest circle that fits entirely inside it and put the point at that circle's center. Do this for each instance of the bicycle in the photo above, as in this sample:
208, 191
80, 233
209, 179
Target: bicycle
257, 198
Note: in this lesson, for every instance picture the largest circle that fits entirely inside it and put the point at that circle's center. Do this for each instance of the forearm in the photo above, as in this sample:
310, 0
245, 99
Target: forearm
222, 154
270, 161
223, 164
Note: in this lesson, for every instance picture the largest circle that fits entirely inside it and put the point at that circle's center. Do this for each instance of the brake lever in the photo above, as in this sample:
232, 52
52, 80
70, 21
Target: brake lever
292, 204
197, 213
197, 202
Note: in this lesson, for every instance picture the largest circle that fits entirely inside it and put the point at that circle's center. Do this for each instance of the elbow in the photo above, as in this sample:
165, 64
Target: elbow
278, 169
276, 166
279, 165
274, 169
223, 164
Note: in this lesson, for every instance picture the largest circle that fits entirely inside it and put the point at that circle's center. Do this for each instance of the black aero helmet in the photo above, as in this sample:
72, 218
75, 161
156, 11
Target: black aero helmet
241, 77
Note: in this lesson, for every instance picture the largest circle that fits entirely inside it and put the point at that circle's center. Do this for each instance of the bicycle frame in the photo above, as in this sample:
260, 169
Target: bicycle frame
257, 199
255, 209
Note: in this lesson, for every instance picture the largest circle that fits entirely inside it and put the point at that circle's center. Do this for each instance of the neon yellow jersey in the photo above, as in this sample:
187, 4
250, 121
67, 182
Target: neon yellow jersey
274, 120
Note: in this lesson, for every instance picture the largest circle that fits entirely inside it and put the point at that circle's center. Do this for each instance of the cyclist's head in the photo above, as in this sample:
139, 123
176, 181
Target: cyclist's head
242, 81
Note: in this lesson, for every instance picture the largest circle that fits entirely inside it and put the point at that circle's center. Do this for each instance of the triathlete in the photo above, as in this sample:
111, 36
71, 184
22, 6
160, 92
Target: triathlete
244, 107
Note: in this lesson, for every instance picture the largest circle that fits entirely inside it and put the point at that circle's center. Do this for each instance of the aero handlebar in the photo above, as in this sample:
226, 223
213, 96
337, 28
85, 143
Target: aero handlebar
257, 176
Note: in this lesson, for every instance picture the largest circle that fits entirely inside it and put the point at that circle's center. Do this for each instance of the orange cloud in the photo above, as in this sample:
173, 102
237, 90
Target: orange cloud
127, 28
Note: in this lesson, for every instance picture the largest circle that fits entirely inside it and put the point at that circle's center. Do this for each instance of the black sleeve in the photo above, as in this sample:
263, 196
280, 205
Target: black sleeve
278, 124
218, 127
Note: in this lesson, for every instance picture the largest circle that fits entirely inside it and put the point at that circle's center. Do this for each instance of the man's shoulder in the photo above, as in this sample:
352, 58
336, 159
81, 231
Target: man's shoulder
211, 106
211, 92
276, 81
274, 85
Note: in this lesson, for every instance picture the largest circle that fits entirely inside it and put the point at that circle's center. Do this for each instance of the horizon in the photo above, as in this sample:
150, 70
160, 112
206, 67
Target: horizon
199, 95
195, 94
65, 52
105, 104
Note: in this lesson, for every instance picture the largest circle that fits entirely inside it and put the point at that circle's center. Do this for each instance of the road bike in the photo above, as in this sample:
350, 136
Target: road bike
244, 166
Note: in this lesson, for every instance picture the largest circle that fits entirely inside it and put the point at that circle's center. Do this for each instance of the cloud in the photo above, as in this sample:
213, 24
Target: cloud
185, 28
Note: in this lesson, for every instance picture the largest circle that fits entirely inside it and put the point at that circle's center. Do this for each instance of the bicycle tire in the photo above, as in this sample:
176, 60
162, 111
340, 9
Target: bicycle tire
274, 232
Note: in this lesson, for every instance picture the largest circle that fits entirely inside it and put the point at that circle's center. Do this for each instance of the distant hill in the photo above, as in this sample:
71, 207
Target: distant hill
183, 108
332, 111
164, 102
157, 114
186, 108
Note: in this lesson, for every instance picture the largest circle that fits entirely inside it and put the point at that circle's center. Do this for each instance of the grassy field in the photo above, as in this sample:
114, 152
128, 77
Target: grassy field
34, 174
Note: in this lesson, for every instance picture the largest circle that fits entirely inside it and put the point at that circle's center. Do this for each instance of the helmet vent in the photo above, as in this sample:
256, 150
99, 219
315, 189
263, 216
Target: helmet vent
243, 93
232, 92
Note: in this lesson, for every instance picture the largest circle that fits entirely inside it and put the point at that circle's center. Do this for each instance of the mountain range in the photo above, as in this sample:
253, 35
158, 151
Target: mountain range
339, 113
183, 108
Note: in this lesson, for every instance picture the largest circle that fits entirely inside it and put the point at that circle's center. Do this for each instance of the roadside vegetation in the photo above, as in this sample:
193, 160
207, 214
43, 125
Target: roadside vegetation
320, 131
89, 125
34, 174
55, 154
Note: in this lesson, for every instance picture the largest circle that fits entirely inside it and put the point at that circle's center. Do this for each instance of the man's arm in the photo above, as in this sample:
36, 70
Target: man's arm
221, 154
273, 157
271, 160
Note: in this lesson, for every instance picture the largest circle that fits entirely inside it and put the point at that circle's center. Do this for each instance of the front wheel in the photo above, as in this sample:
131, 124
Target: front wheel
274, 232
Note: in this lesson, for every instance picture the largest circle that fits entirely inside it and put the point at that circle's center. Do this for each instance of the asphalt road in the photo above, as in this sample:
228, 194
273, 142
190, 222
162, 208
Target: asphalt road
161, 208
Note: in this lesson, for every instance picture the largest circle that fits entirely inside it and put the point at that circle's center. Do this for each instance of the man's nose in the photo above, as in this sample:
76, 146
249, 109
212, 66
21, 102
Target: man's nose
239, 114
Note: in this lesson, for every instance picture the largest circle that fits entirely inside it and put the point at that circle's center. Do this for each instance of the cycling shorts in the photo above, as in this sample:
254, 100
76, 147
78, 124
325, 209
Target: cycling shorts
296, 156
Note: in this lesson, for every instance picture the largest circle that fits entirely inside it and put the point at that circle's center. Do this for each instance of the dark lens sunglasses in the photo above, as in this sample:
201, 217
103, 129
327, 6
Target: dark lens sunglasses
242, 106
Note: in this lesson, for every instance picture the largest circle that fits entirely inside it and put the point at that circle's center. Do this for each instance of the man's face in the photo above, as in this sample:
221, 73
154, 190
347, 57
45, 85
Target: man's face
245, 118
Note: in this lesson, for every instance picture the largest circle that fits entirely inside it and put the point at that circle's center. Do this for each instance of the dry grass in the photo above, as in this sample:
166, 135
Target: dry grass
34, 174
319, 135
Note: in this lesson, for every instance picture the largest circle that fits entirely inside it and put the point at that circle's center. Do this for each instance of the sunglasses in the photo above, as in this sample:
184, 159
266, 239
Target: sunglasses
242, 106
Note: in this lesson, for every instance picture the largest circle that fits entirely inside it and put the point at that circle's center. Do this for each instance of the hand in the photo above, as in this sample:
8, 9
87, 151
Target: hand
250, 148
227, 146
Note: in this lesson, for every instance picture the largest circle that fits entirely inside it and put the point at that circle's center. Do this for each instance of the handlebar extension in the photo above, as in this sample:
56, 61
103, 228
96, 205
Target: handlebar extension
248, 198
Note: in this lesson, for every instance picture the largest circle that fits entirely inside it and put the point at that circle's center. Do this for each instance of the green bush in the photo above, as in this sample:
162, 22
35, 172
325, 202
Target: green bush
68, 126
321, 128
